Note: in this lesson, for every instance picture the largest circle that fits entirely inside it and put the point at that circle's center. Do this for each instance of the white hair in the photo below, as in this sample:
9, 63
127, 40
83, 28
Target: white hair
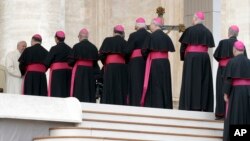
198, 20
21, 42
141, 25
157, 24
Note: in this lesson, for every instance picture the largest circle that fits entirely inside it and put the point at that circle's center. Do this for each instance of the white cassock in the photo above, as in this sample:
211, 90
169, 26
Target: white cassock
13, 74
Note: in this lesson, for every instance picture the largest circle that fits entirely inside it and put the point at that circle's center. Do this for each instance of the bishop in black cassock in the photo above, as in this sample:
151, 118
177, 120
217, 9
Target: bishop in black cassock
222, 54
115, 76
33, 69
197, 82
237, 89
60, 71
83, 58
157, 87
136, 64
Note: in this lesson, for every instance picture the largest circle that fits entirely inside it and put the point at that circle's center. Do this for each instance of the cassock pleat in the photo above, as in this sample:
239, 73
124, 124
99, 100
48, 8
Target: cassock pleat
60, 84
220, 103
159, 93
238, 109
84, 88
115, 90
136, 79
35, 83
197, 83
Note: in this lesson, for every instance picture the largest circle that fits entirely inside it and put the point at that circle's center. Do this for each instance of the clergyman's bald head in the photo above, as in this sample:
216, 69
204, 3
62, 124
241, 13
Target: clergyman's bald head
83, 34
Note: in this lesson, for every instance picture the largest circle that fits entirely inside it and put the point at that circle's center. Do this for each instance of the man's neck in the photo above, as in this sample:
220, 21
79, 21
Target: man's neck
83, 39
37, 43
116, 34
59, 42
232, 36
140, 28
156, 29
239, 53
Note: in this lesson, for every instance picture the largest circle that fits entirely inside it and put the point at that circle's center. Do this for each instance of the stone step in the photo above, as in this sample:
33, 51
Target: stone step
151, 128
130, 134
150, 121
147, 112
82, 138
103, 122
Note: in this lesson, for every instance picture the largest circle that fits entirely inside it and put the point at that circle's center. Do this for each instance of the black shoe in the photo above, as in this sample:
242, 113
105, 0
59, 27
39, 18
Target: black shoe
219, 118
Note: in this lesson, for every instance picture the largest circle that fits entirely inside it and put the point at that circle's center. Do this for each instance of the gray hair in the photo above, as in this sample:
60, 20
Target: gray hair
141, 25
198, 21
232, 32
157, 24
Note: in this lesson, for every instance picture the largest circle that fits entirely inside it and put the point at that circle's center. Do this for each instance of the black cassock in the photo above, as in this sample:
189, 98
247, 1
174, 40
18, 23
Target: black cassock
157, 88
60, 72
136, 65
84, 58
197, 81
222, 54
237, 86
115, 77
33, 69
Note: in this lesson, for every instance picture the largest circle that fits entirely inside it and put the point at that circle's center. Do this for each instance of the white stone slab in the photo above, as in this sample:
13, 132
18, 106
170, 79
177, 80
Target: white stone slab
148, 128
71, 139
70, 132
40, 108
129, 135
149, 120
147, 111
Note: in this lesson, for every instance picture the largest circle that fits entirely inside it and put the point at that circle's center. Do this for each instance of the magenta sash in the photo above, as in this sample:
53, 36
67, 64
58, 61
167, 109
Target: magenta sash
196, 48
240, 82
36, 67
56, 66
223, 62
136, 53
87, 63
151, 56
114, 58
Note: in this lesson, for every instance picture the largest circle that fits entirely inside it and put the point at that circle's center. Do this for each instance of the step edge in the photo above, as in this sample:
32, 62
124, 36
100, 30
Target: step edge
86, 105
151, 116
153, 124
93, 137
135, 131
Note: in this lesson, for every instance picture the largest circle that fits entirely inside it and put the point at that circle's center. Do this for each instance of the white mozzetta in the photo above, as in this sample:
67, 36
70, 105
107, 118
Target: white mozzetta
40, 108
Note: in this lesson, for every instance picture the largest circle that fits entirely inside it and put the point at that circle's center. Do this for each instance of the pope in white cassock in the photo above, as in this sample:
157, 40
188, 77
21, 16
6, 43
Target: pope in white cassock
13, 74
